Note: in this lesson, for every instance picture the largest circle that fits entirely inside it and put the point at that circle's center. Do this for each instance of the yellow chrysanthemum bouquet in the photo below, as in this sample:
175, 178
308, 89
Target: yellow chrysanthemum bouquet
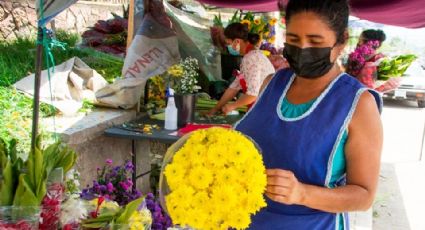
213, 179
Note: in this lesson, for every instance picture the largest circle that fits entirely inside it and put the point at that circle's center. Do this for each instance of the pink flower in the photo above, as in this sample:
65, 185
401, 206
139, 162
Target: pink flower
109, 162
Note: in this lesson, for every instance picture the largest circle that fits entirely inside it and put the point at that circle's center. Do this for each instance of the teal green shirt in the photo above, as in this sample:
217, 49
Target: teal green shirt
339, 165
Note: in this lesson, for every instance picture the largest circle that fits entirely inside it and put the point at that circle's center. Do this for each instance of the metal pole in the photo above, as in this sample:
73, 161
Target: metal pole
36, 101
134, 161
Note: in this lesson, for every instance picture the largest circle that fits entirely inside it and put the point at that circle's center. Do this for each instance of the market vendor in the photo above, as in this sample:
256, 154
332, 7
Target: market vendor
363, 62
319, 129
255, 67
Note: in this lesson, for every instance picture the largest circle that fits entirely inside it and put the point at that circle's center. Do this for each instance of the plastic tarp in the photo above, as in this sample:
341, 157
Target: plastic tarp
194, 37
409, 14
153, 50
50, 8
72, 82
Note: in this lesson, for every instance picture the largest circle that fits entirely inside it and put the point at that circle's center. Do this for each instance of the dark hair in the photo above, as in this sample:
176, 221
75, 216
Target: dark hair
374, 35
241, 31
334, 12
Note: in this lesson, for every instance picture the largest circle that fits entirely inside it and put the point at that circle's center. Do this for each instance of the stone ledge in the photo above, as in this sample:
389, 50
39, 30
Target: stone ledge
81, 128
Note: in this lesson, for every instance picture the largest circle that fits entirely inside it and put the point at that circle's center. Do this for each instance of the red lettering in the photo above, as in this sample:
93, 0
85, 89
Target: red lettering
154, 51
156, 48
135, 68
130, 73
148, 57
143, 61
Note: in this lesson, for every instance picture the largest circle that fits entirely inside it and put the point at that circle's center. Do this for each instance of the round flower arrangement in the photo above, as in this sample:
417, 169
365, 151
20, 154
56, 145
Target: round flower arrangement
213, 179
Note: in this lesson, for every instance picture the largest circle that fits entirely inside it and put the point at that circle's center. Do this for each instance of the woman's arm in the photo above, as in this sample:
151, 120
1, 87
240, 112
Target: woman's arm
246, 99
363, 153
367, 75
228, 95
243, 100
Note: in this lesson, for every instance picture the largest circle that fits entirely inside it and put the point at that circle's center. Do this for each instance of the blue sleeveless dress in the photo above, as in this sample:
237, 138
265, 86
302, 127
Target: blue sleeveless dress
305, 144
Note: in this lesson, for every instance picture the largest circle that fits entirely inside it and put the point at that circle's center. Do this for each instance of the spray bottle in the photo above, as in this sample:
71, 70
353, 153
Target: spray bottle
171, 112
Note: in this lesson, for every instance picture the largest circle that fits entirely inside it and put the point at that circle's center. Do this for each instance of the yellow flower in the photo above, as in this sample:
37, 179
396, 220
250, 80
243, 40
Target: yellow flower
175, 175
227, 176
225, 197
200, 199
266, 34
140, 220
266, 52
176, 71
198, 218
246, 22
106, 205
273, 21
222, 172
257, 21
272, 39
238, 219
200, 177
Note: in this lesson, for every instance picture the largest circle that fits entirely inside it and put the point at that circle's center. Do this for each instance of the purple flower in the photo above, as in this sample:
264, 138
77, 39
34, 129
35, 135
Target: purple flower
129, 166
113, 183
149, 196
103, 188
124, 186
110, 187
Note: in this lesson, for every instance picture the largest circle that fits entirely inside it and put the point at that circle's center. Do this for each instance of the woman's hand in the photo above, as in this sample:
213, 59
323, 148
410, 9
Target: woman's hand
283, 187
228, 108
210, 113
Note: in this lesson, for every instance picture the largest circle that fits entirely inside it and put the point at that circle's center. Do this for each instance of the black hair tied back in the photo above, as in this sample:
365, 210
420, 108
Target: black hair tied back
253, 38
334, 12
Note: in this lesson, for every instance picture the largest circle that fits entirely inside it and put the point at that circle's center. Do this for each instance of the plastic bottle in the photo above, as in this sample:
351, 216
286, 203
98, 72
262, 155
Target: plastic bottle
171, 112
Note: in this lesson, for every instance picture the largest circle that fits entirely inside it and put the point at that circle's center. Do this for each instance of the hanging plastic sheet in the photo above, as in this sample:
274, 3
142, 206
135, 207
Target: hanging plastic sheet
50, 8
194, 38
153, 50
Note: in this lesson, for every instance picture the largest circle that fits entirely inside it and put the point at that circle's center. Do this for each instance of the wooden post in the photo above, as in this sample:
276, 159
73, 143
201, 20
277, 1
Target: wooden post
130, 29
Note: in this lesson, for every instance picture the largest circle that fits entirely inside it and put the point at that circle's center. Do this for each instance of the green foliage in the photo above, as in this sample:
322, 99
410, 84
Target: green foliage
24, 183
112, 217
71, 39
395, 67
16, 117
217, 20
237, 16
17, 60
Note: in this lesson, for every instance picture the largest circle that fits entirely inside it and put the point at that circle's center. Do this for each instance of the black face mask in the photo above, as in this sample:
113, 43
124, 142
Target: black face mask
308, 62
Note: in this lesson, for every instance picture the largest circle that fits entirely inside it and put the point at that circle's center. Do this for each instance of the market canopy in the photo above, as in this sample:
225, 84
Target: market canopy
410, 14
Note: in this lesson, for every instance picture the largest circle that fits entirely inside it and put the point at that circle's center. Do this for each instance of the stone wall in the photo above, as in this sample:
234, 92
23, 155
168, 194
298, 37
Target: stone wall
18, 17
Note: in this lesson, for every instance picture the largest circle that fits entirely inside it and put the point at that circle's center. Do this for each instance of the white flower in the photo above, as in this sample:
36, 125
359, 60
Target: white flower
73, 210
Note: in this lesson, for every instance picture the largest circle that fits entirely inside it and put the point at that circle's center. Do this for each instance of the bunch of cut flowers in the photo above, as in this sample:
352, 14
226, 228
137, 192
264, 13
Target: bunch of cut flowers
360, 56
113, 183
183, 77
114, 202
213, 179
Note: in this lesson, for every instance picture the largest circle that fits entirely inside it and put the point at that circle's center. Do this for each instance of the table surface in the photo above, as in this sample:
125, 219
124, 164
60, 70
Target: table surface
165, 136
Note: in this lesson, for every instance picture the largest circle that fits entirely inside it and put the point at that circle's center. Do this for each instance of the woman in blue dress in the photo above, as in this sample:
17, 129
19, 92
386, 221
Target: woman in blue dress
318, 128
